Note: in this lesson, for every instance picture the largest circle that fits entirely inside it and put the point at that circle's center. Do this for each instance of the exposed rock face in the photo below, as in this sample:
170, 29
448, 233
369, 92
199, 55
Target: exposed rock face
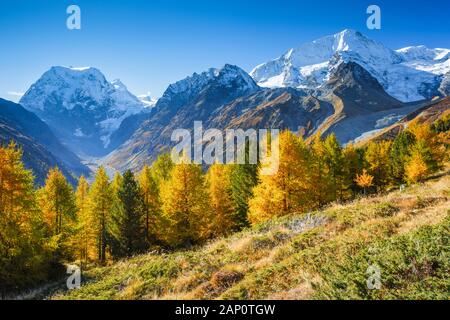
41, 149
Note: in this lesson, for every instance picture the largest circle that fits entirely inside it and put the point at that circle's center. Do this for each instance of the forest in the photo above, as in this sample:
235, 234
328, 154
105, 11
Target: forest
167, 207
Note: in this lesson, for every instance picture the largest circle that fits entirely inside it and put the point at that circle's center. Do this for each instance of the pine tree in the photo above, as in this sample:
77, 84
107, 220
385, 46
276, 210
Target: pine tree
127, 229
185, 206
243, 178
286, 191
219, 186
100, 207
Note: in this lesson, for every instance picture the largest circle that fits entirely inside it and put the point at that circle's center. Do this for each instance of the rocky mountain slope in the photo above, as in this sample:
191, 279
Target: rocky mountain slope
41, 149
361, 104
192, 99
351, 103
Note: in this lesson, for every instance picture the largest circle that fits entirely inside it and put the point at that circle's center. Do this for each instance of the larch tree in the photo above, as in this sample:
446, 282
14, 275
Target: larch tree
400, 153
58, 202
364, 180
100, 208
85, 236
286, 191
334, 160
319, 171
162, 168
377, 158
185, 208
416, 169
219, 187
353, 163
149, 191
23, 256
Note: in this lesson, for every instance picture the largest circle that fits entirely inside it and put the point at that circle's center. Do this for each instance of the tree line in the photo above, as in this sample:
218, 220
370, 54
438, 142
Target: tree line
168, 206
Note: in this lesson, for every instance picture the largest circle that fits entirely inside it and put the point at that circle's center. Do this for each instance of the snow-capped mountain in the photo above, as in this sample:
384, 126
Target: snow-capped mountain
81, 106
226, 77
408, 74
194, 98
147, 100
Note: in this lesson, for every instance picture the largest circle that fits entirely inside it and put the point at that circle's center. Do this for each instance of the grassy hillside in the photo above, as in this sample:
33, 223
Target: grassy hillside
320, 255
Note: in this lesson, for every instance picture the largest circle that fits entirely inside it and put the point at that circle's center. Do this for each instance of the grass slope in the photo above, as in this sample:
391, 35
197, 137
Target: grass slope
322, 255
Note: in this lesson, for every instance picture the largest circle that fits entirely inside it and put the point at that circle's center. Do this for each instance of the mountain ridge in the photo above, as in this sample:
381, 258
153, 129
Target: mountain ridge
408, 74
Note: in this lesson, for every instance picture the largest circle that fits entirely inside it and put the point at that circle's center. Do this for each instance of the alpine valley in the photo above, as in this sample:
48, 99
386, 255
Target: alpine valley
345, 84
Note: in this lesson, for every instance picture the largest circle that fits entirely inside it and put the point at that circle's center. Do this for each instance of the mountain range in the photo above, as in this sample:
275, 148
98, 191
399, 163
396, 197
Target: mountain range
345, 84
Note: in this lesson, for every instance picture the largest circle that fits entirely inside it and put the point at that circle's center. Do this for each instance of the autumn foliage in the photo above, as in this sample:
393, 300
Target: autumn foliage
168, 206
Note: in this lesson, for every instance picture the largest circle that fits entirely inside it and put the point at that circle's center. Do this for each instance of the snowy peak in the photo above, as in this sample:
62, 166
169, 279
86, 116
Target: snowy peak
147, 100
227, 76
81, 104
76, 87
408, 74
424, 53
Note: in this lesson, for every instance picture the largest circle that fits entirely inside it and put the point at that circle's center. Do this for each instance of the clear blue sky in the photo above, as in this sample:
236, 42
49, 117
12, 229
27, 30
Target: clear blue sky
150, 44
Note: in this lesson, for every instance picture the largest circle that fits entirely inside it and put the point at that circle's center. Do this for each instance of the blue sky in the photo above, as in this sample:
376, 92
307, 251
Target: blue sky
150, 44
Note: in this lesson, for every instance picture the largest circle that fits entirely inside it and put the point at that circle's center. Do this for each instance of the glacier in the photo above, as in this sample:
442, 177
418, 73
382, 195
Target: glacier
408, 74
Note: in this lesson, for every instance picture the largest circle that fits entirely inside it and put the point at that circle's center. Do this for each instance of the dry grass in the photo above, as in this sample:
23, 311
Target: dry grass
280, 259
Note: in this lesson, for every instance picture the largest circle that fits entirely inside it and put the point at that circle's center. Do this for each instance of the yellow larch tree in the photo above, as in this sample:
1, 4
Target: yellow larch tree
285, 191
185, 208
100, 208
219, 186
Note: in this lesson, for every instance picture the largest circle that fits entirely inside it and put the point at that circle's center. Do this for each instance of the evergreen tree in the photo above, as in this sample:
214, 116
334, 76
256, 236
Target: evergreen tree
243, 178
353, 164
127, 229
